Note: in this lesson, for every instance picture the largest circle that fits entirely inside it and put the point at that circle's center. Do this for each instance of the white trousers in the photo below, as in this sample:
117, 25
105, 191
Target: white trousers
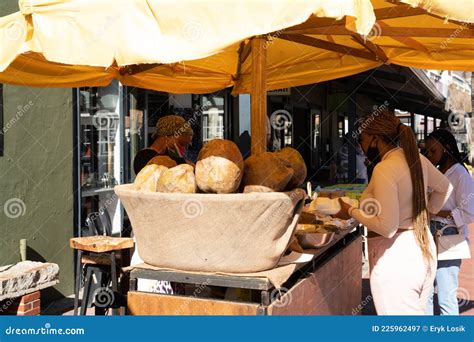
400, 279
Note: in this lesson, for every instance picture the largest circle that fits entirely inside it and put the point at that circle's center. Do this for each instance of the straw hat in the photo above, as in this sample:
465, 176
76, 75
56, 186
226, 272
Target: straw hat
170, 125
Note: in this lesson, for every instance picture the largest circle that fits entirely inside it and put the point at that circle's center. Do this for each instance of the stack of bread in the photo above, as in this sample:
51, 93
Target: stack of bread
221, 169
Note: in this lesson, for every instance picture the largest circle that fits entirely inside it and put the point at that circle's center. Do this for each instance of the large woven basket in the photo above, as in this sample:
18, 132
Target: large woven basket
211, 232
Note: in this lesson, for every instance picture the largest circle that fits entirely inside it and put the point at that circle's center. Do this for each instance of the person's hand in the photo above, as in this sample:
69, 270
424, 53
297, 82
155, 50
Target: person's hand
343, 214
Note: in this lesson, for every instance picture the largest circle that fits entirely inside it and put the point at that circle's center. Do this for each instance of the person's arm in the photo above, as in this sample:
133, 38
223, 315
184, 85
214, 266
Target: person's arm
380, 213
463, 214
440, 185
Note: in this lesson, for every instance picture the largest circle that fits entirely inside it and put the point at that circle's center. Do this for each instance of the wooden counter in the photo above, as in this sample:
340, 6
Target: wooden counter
330, 284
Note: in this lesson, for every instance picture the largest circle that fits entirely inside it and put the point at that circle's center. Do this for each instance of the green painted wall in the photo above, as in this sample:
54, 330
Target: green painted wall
8, 7
36, 184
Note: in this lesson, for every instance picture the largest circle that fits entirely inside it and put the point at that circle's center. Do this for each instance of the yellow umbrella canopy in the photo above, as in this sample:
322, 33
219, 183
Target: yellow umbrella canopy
422, 34
180, 46
203, 46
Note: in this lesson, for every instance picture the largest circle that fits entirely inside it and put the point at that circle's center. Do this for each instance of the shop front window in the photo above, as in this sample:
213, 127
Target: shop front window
99, 156
213, 117
431, 125
342, 125
419, 127
281, 126
316, 150
405, 117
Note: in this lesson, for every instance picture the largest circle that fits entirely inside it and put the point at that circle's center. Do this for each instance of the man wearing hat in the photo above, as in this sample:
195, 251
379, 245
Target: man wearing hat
172, 136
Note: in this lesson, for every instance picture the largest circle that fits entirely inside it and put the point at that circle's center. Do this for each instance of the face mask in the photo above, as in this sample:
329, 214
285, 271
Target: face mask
181, 150
373, 154
176, 151
443, 159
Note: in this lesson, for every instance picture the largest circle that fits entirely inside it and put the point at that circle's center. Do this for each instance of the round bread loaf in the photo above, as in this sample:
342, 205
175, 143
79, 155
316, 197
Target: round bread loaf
293, 159
147, 178
265, 171
220, 167
178, 179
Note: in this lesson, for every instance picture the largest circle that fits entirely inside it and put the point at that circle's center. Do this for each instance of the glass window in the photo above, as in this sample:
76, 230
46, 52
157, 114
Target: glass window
342, 124
135, 121
405, 117
100, 155
157, 105
419, 127
213, 114
281, 126
430, 127
316, 148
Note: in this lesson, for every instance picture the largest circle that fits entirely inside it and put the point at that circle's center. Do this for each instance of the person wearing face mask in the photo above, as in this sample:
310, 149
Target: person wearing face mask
442, 151
394, 208
172, 137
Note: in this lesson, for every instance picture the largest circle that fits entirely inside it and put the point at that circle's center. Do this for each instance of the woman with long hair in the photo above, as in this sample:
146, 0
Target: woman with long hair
442, 150
394, 208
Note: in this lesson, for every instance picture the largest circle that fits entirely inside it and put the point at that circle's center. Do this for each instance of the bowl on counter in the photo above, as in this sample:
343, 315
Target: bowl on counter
315, 240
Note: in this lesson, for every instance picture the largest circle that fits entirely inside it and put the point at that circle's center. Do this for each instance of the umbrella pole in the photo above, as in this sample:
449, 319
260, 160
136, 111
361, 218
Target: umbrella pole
258, 96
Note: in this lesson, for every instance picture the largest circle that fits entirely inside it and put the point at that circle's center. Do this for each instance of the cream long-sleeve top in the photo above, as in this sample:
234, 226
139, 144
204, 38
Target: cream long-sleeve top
461, 201
390, 193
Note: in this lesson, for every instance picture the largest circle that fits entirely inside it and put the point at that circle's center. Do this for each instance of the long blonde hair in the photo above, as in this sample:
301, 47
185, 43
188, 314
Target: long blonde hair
388, 127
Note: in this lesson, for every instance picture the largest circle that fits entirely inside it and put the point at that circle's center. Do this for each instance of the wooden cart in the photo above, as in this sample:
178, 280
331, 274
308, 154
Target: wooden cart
330, 284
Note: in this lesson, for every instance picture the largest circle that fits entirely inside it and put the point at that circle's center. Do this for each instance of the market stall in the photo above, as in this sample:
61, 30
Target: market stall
328, 284
246, 226
285, 43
